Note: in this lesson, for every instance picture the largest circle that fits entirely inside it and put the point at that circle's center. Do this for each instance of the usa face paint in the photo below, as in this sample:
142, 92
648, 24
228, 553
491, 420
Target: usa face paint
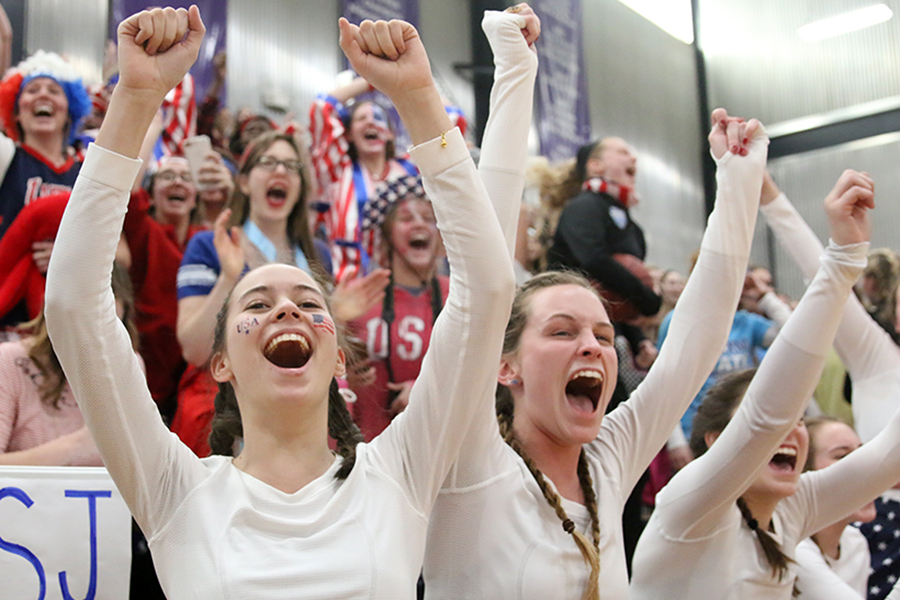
246, 325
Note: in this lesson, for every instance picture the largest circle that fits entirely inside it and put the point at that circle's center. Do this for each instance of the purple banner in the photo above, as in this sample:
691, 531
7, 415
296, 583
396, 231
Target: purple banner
357, 11
215, 17
564, 122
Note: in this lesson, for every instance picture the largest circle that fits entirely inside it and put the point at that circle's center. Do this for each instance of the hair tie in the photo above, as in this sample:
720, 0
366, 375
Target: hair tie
568, 526
753, 524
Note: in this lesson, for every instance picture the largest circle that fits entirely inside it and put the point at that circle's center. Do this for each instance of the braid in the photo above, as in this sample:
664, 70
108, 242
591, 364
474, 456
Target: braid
226, 424
590, 498
775, 556
590, 552
437, 300
342, 429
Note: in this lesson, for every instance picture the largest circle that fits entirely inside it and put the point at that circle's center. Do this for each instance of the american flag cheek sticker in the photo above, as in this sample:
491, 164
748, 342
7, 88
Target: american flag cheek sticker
323, 322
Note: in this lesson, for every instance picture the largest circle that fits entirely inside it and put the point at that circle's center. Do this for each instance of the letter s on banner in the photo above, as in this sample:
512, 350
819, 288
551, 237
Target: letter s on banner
21, 496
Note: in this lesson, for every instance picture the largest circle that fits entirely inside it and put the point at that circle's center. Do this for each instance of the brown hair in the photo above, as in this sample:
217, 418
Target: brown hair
386, 244
506, 413
549, 180
713, 416
41, 350
571, 186
519, 313
813, 425
226, 424
298, 221
717, 408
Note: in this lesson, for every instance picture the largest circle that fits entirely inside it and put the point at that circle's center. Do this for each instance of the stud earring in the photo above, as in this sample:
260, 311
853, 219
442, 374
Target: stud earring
514, 382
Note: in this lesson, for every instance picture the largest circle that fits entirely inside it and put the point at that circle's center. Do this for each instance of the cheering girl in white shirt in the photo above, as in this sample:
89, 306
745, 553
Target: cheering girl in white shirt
727, 525
536, 512
286, 518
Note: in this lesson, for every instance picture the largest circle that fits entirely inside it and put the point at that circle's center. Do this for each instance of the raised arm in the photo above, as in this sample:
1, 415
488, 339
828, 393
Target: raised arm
701, 494
197, 311
459, 370
701, 321
155, 50
502, 169
867, 351
504, 147
329, 147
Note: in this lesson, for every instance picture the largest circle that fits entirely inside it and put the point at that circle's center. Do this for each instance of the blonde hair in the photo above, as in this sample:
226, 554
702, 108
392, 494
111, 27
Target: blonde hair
41, 350
550, 181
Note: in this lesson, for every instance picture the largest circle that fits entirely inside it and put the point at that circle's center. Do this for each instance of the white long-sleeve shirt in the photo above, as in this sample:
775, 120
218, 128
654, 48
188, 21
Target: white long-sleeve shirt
823, 578
867, 351
696, 543
217, 532
492, 533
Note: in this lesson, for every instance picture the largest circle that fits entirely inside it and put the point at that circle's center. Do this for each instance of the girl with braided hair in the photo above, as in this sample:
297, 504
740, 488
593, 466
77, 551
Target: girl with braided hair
872, 360
286, 518
397, 331
727, 525
533, 509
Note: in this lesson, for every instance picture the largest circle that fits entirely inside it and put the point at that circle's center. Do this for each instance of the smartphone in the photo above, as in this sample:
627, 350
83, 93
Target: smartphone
196, 149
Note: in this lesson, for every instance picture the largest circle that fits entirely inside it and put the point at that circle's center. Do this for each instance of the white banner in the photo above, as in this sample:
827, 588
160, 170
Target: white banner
65, 534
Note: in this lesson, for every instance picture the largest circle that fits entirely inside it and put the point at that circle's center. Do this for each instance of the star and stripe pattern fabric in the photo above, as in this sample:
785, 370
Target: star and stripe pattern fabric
346, 186
884, 544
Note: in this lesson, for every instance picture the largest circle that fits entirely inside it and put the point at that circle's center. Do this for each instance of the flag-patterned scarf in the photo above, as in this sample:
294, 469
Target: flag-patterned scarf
624, 194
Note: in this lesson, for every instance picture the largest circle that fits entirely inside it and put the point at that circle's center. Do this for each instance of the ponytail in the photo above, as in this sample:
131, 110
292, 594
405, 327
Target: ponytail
775, 556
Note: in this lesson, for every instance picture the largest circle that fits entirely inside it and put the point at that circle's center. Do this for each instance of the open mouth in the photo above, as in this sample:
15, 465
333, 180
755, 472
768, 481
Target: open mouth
419, 242
583, 390
276, 195
288, 351
785, 459
631, 171
371, 135
177, 198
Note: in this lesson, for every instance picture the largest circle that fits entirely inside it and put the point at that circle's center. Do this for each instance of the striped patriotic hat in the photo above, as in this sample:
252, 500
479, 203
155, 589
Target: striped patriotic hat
376, 208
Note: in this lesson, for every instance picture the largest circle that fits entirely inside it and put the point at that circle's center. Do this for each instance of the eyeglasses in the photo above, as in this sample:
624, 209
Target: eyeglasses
269, 163
170, 176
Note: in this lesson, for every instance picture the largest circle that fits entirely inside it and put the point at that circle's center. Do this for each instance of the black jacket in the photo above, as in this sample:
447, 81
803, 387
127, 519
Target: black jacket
593, 227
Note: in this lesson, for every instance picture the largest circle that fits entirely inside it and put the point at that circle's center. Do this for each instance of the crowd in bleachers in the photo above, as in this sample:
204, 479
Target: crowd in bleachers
407, 296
